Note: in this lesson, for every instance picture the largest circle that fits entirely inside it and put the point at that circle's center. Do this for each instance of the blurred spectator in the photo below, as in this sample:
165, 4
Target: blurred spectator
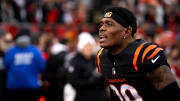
19, 9
52, 11
44, 44
5, 40
34, 14
54, 77
23, 64
176, 68
89, 85
7, 14
174, 60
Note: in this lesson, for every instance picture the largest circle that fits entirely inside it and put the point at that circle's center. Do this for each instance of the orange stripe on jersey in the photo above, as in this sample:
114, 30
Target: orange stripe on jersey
136, 54
98, 59
149, 48
154, 53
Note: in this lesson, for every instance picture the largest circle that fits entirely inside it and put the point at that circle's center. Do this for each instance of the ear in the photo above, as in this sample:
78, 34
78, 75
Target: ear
128, 31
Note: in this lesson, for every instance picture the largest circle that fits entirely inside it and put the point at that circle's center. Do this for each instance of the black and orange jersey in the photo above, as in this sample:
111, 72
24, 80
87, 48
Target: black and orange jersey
126, 72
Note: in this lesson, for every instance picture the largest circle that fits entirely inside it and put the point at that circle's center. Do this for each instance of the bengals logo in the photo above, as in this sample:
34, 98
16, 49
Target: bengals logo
108, 14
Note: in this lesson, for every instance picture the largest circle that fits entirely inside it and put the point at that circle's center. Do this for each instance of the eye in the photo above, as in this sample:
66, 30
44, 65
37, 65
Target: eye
109, 24
100, 25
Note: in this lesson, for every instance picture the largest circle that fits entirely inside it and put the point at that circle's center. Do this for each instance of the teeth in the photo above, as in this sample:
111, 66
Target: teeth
101, 37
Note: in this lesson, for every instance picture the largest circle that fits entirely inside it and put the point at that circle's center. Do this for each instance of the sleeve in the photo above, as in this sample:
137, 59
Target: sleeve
153, 58
7, 60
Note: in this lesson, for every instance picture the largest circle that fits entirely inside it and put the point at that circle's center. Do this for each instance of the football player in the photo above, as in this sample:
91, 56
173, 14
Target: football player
134, 69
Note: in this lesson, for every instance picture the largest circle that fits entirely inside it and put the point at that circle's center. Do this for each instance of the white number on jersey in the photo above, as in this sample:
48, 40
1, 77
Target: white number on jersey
123, 89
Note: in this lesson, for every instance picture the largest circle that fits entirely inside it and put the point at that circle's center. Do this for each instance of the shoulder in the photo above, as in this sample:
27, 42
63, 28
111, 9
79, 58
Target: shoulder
34, 48
11, 49
150, 49
149, 56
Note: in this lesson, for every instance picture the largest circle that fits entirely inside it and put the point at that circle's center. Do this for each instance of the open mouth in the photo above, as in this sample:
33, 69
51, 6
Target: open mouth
102, 38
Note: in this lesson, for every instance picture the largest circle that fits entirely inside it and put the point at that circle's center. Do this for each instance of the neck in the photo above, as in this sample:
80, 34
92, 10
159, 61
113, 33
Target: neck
121, 47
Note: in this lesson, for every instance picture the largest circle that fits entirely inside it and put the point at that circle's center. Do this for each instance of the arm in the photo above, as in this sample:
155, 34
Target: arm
161, 77
159, 73
164, 81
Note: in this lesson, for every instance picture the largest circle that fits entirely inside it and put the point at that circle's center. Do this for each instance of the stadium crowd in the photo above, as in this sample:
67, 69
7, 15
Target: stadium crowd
56, 24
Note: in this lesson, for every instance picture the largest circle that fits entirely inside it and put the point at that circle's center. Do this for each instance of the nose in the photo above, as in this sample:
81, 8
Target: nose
102, 29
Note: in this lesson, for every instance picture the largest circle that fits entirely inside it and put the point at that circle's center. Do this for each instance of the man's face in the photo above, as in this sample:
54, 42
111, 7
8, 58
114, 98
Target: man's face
111, 33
